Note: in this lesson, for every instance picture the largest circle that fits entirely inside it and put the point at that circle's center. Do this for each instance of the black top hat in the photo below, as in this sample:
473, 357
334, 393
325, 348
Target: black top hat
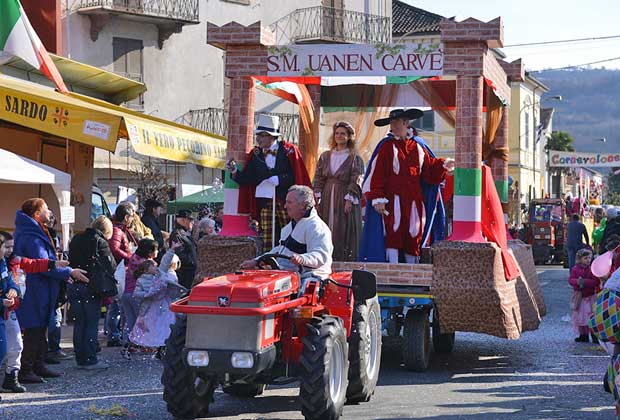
395, 114
185, 214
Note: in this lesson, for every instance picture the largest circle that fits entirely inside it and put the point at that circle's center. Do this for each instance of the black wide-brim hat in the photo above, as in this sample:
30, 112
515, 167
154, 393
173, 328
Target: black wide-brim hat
395, 114
184, 214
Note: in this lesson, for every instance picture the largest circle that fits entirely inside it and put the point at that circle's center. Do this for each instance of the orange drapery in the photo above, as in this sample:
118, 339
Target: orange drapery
494, 115
383, 94
425, 89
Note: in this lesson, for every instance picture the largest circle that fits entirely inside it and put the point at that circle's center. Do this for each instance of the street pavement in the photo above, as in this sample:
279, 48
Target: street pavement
543, 375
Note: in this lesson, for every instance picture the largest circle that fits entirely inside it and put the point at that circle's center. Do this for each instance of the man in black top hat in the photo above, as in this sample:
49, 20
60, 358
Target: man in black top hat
270, 170
187, 252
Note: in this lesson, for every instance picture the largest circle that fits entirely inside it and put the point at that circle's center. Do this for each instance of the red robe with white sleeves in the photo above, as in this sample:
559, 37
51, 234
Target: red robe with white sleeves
394, 179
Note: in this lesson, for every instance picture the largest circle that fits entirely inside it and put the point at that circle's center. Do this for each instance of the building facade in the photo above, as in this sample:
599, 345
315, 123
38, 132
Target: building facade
527, 140
163, 44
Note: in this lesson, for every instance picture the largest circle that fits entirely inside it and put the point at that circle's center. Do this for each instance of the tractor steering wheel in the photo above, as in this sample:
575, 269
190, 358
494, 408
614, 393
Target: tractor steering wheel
271, 260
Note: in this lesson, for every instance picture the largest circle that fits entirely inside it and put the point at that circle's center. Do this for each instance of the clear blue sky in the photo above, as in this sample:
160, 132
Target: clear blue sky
545, 20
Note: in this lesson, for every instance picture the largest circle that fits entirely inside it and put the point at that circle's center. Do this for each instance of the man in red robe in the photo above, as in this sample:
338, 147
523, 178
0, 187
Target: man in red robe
271, 168
393, 185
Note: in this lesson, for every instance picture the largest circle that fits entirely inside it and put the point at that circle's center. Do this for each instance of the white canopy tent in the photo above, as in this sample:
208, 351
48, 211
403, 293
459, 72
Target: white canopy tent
16, 169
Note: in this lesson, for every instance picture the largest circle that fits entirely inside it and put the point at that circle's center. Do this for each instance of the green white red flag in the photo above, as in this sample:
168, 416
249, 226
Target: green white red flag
18, 38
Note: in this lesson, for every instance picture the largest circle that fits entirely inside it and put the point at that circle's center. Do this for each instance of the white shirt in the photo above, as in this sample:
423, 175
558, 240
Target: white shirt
267, 188
315, 234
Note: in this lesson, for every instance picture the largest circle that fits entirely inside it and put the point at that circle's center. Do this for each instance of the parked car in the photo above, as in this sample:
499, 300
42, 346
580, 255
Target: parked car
98, 204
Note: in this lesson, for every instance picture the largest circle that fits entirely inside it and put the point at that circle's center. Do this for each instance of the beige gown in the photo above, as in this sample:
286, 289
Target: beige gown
338, 178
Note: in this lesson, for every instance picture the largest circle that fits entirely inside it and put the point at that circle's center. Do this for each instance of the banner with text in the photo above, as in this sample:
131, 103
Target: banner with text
582, 160
423, 60
163, 141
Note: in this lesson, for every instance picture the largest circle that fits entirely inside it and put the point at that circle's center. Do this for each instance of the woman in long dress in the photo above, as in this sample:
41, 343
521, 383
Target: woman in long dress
337, 186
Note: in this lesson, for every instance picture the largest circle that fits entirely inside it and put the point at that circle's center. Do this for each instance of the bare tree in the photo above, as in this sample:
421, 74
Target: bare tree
152, 184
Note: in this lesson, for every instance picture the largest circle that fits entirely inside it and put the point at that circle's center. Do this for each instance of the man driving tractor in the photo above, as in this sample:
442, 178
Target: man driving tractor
306, 240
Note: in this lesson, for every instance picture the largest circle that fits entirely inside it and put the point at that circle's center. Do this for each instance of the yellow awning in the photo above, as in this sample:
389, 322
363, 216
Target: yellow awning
100, 124
115, 87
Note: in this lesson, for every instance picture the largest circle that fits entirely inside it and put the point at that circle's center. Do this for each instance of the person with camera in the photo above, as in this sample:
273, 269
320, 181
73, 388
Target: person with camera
90, 251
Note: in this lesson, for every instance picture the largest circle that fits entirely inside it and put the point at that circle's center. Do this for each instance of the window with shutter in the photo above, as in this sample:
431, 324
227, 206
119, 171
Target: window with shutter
128, 63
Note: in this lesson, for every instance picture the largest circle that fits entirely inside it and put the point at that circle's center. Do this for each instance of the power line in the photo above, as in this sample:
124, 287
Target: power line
577, 65
563, 41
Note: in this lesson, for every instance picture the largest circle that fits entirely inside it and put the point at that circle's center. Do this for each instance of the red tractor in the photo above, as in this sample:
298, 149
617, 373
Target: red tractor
546, 230
249, 329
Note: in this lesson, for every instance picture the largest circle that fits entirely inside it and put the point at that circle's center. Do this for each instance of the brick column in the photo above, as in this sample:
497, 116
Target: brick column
468, 159
240, 140
467, 55
246, 56
309, 142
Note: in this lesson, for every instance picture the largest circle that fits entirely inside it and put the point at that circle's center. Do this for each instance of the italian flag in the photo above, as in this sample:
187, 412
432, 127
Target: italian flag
18, 38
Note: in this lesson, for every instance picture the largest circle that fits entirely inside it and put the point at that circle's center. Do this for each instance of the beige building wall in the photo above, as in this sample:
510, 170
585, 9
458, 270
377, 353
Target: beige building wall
526, 156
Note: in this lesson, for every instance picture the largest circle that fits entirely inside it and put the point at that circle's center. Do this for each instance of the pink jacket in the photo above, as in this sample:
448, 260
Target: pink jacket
591, 284
119, 243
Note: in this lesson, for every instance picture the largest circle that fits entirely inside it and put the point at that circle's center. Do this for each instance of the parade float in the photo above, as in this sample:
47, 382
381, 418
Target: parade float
474, 281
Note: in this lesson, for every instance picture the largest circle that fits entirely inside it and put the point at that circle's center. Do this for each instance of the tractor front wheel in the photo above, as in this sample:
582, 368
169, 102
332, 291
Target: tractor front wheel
364, 350
187, 395
244, 390
324, 365
416, 340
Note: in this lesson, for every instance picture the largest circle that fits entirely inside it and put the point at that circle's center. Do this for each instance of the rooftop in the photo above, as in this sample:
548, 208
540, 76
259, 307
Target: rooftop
410, 20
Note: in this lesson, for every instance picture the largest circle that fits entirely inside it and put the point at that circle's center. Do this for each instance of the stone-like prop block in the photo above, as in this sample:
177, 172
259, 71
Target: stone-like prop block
219, 255
471, 292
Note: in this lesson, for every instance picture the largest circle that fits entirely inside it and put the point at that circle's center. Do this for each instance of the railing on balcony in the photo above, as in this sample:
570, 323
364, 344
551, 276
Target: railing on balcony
331, 24
215, 120
136, 104
184, 10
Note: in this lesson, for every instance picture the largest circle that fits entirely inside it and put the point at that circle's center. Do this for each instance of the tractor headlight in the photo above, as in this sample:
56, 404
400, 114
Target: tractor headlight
198, 358
241, 359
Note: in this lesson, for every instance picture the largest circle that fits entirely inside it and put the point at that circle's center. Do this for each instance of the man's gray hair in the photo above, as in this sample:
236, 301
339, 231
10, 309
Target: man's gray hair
207, 221
304, 194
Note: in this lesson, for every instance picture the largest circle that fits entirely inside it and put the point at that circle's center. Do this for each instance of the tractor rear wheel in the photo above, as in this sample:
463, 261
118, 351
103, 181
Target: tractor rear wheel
364, 350
324, 365
416, 340
244, 390
442, 343
187, 395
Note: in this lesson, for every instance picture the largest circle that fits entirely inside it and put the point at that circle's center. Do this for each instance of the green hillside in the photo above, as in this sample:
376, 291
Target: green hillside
590, 106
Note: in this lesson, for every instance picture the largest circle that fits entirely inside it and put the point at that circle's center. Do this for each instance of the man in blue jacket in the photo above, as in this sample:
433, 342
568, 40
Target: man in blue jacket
32, 240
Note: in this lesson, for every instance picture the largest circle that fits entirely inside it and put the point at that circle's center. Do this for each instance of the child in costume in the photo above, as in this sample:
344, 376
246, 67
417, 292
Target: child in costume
155, 290
585, 286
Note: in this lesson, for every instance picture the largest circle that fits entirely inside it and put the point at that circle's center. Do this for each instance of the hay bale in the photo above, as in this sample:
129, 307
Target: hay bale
218, 255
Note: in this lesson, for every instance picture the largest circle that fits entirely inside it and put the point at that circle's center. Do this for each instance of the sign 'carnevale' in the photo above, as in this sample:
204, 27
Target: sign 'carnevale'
356, 60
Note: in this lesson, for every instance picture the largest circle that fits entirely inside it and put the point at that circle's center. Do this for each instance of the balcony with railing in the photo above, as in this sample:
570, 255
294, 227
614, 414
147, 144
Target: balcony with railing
168, 15
215, 120
329, 24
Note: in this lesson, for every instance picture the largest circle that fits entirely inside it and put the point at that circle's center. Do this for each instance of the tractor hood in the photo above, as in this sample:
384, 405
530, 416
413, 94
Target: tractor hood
256, 286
